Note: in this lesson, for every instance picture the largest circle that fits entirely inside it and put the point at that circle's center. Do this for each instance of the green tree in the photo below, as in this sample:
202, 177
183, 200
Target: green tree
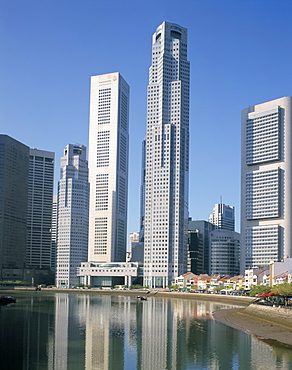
257, 289
283, 289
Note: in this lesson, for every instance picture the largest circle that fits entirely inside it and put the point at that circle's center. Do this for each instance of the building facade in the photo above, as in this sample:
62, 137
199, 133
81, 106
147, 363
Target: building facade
108, 168
266, 183
72, 221
224, 252
54, 231
195, 252
223, 217
203, 229
39, 213
14, 165
167, 157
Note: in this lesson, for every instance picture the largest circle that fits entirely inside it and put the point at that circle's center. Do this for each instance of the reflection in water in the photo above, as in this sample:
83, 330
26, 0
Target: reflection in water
68, 331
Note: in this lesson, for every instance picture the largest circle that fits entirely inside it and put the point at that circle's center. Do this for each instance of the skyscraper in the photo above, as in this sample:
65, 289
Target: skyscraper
266, 182
223, 217
72, 224
14, 164
39, 213
167, 157
108, 168
54, 232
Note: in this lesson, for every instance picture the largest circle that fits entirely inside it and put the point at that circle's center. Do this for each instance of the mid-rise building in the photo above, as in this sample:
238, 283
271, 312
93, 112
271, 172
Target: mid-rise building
167, 157
14, 165
224, 242
39, 213
199, 232
223, 217
108, 168
73, 208
195, 252
134, 238
266, 183
224, 252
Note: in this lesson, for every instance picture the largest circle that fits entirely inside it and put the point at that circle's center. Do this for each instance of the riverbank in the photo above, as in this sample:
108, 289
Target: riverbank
266, 323
230, 299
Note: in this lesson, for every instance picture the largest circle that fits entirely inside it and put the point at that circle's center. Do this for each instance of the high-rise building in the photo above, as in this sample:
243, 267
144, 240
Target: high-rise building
142, 191
167, 157
223, 217
266, 183
39, 213
14, 164
72, 224
54, 232
108, 168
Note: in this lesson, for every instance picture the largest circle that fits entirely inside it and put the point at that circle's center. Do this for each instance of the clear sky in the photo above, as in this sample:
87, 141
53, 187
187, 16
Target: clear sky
240, 53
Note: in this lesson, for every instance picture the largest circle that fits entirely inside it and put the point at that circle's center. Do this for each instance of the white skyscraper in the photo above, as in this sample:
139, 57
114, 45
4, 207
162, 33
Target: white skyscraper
108, 168
72, 224
266, 183
167, 156
223, 217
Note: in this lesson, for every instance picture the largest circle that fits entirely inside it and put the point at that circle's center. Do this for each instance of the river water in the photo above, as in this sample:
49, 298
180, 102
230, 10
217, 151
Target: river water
85, 331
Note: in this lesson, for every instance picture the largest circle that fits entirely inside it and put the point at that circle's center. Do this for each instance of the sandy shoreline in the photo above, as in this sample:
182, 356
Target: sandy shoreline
267, 323
266, 326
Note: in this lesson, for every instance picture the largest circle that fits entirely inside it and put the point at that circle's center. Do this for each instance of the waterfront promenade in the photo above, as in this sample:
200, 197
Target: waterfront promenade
267, 323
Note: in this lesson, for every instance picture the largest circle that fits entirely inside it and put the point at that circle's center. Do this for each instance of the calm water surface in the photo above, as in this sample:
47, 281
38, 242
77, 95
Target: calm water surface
80, 331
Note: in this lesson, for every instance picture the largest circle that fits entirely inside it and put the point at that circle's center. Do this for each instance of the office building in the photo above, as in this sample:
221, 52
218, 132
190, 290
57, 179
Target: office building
72, 223
54, 232
223, 217
108, 168
39, 213
14, 165
195, 252
142, 192
224, 252
203, 230
266, 183
167, 157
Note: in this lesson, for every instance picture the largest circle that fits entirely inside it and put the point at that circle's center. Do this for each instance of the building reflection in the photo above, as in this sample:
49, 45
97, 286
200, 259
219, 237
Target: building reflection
119, 332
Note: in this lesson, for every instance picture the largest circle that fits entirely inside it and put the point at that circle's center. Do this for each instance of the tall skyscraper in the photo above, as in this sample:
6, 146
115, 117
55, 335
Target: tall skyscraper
39, 213
73, 205
167, 157
142, 192
54, 232
266, 182
223, 217
108, 168
14, 164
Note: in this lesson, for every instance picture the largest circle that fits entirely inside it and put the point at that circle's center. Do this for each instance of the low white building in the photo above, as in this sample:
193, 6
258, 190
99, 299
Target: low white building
255, 276
110, 274
278, 268
185, 280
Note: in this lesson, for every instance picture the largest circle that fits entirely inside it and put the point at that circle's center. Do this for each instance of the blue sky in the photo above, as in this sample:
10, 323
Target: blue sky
240, 53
